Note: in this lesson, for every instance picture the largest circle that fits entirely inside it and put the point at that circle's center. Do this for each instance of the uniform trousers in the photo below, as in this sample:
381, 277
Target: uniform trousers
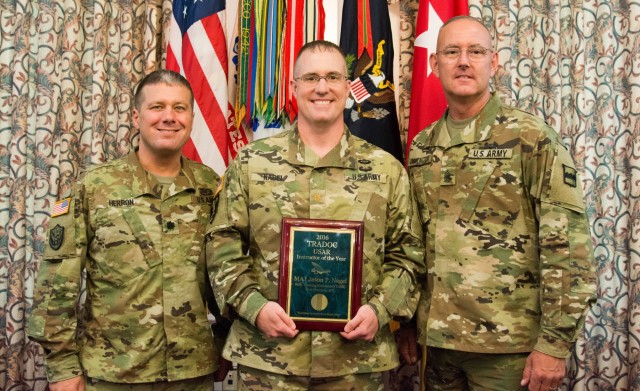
251, 379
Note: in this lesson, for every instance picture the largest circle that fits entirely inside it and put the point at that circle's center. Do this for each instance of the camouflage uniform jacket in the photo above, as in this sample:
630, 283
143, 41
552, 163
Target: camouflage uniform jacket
509, 253
141, 244
273, 178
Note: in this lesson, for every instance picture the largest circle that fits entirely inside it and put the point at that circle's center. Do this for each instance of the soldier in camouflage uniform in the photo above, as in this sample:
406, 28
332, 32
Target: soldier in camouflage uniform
137, 226
509, 254
318, 170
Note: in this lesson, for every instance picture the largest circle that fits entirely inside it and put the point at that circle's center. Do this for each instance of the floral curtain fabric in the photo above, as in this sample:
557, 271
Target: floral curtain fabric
66, 72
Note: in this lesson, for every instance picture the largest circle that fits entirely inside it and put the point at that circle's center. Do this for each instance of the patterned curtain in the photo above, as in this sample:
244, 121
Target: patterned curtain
66, 73
576, 63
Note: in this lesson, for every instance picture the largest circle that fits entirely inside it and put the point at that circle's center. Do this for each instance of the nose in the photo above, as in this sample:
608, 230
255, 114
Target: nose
168, 114
322, 86
463, 59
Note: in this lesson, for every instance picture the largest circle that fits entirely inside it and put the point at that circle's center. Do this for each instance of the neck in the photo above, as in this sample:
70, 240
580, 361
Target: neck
460, 109
166, 166
321, 140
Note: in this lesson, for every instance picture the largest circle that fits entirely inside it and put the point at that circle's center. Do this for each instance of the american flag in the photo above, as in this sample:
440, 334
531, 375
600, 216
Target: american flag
197, 49
359, 91
60, 207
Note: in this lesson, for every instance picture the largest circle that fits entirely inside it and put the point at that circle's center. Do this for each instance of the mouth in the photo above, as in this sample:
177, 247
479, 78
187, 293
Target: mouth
321, 102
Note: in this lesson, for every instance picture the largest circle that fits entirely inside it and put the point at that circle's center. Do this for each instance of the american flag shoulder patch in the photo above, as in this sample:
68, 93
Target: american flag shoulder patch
61, 207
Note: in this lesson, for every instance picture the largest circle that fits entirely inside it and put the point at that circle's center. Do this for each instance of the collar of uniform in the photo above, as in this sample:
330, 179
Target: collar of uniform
340, 156
481, 127
143, 183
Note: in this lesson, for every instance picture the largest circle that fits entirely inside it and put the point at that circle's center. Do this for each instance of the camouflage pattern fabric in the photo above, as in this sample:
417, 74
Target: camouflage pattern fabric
509, 253
453, 370
202, 383
250, 379
141, 244
278, 177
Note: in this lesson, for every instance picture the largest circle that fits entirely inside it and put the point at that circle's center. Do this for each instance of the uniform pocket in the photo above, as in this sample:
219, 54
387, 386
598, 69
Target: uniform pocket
122, 248
494, 200
554, 282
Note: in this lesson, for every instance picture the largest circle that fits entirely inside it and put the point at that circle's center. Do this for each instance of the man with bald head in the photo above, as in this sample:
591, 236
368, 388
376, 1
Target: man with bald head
508, 248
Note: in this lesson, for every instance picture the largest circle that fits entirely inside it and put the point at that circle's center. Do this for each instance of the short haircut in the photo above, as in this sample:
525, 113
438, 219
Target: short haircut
161, 76
319, 46
465, 17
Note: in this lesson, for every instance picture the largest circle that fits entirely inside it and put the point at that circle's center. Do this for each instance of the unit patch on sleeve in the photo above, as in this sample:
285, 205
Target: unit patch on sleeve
56, 237
569, 175
61, 207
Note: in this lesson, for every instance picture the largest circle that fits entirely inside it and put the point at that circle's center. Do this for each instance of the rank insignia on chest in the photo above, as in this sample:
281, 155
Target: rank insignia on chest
448, 177
61, 207
56, 237
569, 176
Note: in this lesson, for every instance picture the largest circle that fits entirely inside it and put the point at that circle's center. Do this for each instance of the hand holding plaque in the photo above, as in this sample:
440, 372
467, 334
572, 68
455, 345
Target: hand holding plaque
320, 272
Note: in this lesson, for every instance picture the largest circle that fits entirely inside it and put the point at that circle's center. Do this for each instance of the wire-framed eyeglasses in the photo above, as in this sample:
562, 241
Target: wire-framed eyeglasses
475, 53
312, 79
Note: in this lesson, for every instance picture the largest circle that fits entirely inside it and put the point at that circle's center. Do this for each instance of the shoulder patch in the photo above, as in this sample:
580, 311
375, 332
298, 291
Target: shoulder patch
61, 207
56, 237
569, 175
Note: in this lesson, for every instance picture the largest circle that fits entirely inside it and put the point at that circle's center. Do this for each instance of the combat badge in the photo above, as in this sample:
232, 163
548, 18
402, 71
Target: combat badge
569, 175
56, 237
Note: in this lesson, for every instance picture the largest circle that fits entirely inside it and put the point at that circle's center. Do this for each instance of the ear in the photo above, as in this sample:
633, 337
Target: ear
136, 117
433, 61
294, 88
494, 63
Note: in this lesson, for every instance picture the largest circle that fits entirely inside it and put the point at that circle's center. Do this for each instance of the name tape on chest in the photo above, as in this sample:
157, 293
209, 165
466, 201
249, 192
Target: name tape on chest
119, 203
366, 177
270, 177
490, 153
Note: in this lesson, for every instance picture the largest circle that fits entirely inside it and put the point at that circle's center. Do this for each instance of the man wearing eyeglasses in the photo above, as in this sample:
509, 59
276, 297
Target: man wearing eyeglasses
509, 256
318, 170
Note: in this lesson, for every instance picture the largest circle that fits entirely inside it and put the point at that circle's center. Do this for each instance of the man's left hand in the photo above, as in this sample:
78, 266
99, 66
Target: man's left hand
363, 326
543, 372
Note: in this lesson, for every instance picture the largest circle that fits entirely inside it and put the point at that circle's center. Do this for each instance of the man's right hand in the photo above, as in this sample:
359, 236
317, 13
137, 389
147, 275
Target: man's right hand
273, 322
408, 343
73, 384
